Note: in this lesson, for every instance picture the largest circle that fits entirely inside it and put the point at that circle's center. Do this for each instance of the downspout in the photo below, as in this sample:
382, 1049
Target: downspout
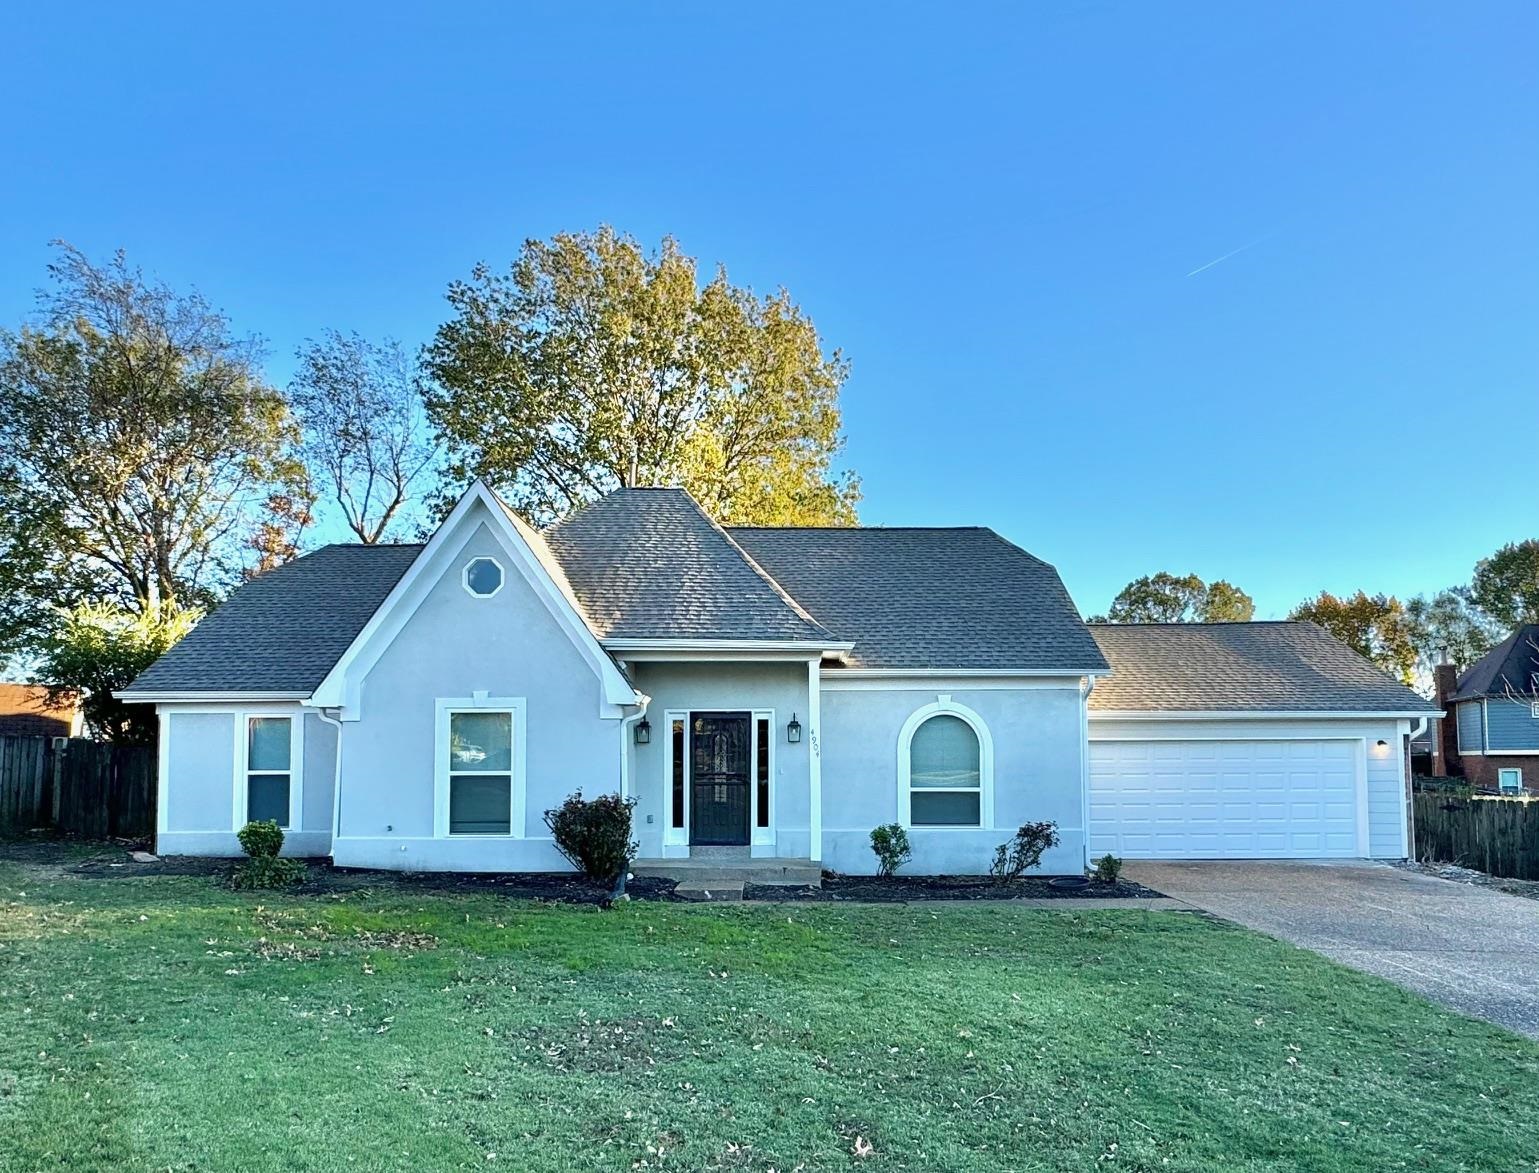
626, 724
1084, 768
1410, 791
336, 780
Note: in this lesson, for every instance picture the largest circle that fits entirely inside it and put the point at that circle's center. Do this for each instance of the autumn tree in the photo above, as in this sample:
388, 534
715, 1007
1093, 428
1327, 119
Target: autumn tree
1506, 585
140, 447
1448, 628
364, 439
592, 364
96, 649
1374, 626
1168, 598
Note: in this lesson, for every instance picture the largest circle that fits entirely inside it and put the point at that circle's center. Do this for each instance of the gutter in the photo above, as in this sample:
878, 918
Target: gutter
336, 776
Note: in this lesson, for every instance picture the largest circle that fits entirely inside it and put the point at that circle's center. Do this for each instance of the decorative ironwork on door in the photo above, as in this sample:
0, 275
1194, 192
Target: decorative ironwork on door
720, 798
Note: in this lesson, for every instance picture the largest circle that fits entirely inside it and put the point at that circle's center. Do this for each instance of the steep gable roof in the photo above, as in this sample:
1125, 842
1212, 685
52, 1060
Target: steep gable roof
961, 599
649, 564
282, 631
1223, 667
1507, 669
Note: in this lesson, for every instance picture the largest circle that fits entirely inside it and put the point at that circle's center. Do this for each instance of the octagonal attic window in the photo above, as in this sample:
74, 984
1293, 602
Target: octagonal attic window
483, 577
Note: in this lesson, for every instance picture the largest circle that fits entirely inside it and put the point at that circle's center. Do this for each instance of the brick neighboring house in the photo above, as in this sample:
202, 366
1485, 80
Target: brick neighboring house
1490, 736
24, 712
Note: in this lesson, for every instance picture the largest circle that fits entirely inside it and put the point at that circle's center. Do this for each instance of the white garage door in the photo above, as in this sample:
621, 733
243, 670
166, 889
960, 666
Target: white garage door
1224, 799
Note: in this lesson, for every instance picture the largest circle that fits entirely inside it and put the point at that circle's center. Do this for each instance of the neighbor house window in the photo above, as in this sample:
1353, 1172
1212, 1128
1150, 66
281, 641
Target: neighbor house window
269, 768
1510, 779
480, 770
945, 774
483, 577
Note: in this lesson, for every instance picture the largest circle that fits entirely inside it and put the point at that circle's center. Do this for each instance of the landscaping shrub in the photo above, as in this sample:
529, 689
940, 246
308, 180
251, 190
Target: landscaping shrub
262, 841
890, 843
1022, 851
594, 834
1107, 869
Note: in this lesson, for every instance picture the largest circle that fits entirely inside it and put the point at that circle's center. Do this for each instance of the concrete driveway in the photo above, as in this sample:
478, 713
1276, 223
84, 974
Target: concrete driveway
1470, 948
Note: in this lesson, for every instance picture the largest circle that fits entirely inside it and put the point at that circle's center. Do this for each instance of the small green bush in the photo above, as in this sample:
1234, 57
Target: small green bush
1107, 869
594, 834
267, 871
261, 840
1022, 851
890, 843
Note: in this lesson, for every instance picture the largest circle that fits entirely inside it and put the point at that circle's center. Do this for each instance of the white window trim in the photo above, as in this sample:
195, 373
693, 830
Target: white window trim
757, 836
943, 704
502, 576
296, 721
478, 702
1509, 770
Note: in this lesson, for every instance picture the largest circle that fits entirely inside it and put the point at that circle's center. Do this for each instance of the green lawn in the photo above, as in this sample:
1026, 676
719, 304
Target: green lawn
169, 1023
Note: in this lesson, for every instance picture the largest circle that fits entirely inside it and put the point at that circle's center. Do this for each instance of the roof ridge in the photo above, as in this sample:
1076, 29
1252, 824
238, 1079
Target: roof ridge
865, 528
753, 565
1209, 623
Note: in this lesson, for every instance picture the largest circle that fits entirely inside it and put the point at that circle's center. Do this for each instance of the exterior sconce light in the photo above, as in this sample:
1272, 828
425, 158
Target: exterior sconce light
1380, 748
643, 731
794, 730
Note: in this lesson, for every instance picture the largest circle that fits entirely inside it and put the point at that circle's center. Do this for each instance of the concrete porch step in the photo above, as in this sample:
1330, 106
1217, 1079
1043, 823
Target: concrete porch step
795, 873
729, 893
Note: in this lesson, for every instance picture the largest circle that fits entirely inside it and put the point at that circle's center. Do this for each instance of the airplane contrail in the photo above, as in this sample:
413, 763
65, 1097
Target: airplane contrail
1231, 253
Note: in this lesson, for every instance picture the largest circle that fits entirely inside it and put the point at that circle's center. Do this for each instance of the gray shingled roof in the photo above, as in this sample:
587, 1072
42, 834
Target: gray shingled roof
1219, 667
929, 598
1507, 669
649, 564
284, 630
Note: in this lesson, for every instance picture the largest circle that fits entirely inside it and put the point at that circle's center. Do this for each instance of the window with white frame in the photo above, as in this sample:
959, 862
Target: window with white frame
1510, 778
269, 768
483, 577
479, 769
945, 773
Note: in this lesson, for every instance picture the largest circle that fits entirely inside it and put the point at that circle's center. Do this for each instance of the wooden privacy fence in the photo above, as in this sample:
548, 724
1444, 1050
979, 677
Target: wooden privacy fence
84, 787
1498, 836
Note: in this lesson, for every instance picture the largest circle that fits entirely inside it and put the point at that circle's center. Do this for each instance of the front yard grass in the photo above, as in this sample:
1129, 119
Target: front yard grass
170, 1023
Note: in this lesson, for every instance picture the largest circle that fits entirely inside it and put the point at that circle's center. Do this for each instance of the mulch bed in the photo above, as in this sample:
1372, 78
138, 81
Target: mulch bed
904, 889
322, 879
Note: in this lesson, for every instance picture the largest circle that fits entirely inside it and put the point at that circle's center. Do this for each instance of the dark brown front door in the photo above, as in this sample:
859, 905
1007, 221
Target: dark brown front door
719, 791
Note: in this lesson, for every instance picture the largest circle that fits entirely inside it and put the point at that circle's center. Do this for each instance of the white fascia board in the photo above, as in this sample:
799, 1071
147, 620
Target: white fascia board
922, 673
806, 647
135, 696
1257, 715
340, 688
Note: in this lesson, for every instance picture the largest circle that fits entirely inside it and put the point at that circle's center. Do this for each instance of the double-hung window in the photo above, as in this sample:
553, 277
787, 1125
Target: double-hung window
479, 768
269, 768
1510, 778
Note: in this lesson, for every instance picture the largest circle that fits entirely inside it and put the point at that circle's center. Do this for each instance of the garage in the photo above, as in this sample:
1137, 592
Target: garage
1261, 740
1228, 799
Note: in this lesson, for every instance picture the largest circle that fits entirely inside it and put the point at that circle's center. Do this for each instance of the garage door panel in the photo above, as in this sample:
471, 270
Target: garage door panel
1168, 799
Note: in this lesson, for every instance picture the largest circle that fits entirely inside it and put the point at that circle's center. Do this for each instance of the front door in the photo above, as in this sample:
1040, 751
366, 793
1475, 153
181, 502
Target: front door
719, 795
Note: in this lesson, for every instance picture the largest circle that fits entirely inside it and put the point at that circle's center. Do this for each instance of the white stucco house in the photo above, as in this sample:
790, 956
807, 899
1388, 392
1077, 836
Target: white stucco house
774, 693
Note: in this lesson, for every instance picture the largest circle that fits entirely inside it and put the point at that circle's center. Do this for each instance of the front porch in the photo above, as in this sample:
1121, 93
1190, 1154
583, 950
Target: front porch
720, 873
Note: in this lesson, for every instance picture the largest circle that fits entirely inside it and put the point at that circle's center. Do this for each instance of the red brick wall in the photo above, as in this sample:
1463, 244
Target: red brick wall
1481, 771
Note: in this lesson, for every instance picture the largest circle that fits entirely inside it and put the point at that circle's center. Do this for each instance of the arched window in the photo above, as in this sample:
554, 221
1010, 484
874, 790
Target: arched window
945, 763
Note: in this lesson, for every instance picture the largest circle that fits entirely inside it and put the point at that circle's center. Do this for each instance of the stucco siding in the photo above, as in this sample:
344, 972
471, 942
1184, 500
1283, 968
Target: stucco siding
204, 796
1471, 727
1038, 775
200, 772
1510, 725
780, 689
1387, 806
453, 646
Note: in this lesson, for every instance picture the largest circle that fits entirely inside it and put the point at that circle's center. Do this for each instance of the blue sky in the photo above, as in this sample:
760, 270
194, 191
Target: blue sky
1008, 218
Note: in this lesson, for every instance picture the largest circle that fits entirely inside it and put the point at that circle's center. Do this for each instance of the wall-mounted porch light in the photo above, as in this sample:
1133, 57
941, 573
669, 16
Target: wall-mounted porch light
1380, 748
794, 730
643, 731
